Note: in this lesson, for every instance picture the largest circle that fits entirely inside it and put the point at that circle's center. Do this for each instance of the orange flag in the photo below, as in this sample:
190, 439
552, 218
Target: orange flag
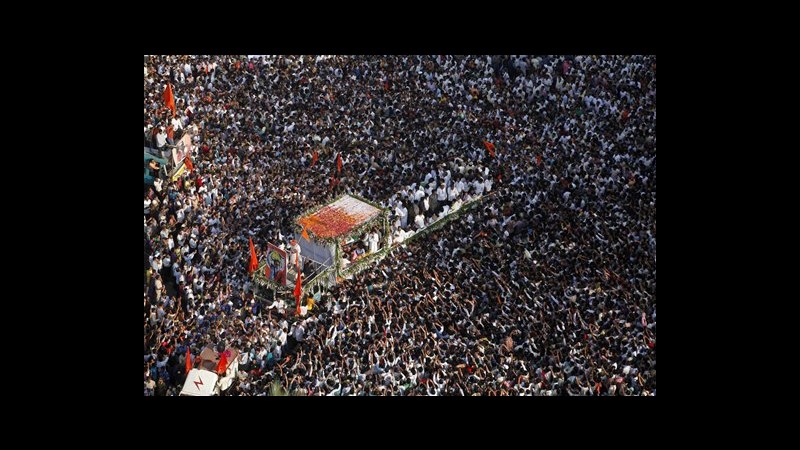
339, 162
305, 234
314, 158
489, 146
188, 360
169, 98
253, 258
223, 363
298, 290
188, 162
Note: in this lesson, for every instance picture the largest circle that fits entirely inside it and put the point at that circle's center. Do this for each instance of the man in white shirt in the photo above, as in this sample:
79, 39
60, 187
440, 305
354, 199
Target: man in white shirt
419, 221
402, 212
373, 241
478, 185
161, 137
452, 194
441, 196
294, 254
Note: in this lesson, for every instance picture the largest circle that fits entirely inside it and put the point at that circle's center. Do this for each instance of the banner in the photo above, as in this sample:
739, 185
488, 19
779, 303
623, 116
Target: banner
178, 154
277, 261
181, 149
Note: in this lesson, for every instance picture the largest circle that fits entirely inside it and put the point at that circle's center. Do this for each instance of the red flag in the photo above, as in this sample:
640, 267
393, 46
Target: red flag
189, 165
298, 289
538, 160
489, 146
339, 162
188, 360
314, 158
171, 132
267, 272
223, 363
253, 258
305, 234
169, 98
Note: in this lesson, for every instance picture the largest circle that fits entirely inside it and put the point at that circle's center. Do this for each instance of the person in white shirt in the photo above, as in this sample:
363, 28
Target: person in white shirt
419, 194
155, 263
161, 138
294, 254
419, 221
402, 212
373, 241
441, 196
478, 185
452, 194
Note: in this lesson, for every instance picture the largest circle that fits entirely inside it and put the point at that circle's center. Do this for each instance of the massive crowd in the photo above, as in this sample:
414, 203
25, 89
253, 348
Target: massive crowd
546, 287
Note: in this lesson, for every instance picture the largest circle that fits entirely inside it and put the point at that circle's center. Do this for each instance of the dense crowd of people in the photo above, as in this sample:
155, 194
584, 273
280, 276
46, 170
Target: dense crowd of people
546, 287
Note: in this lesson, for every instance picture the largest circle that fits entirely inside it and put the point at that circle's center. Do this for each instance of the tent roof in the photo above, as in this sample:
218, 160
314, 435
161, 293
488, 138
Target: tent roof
339, 218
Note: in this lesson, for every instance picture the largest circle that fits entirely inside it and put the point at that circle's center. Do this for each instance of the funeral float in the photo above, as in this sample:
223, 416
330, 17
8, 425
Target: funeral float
336, 240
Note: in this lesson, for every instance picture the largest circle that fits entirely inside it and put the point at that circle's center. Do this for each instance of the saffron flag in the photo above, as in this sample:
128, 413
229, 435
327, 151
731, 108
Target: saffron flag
298, 289
339, 162
188, 162
314, 158
223, 363
304, 233
188, 360
253, 258
169, 98
490, 147
267, 272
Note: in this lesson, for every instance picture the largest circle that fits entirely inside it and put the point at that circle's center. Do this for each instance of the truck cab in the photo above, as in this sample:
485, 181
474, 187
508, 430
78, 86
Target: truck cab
204, 380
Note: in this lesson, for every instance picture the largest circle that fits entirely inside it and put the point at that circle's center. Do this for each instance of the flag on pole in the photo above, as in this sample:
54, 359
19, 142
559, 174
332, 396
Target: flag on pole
298, 289
188, 360
304, 233
339, 162
253, 258
490, 147
223, 363
169, 98
314, 158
